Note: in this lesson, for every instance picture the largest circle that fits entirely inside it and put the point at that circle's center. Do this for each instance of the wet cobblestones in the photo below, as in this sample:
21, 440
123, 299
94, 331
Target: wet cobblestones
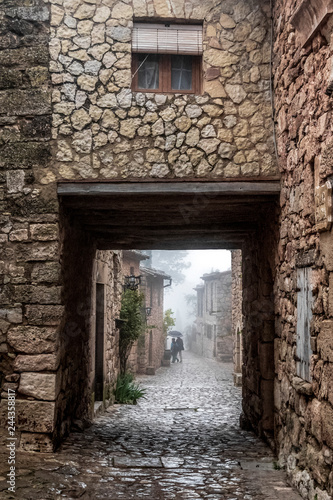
183, 442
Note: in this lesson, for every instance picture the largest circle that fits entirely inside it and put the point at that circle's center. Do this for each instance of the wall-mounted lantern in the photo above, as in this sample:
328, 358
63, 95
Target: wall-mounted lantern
148, 311
120, 322
132, 282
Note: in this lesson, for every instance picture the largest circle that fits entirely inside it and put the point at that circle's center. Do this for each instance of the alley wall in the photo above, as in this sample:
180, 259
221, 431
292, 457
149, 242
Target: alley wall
304, 408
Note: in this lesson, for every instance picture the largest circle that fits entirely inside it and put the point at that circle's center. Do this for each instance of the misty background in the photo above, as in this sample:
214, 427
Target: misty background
185, 268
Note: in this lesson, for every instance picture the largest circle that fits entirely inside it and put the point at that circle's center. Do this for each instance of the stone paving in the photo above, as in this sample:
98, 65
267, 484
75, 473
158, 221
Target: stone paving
183, 442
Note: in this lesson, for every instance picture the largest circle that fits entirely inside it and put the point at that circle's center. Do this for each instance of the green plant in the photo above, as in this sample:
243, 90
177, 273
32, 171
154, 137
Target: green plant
126, 391
168, 321
277, 466
133, 324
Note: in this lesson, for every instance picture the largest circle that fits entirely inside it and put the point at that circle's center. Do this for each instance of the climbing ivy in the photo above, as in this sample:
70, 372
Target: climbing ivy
133, 324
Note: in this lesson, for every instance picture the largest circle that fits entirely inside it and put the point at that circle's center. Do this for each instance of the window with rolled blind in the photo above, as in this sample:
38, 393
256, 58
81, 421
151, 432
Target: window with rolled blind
167, 39
166, 58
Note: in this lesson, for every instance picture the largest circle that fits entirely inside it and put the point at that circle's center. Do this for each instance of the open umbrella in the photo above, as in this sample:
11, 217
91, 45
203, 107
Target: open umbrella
174, 333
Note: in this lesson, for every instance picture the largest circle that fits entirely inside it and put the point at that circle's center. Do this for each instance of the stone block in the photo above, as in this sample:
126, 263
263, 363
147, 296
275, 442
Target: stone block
32, 339
119, 33
37, 294
32, 416
38, 363
268, 331
301, 386
29, 154
39, 55
277, 395
330, 295
19, 235
37, 251
326, 245
266, 360
39, 385
315, 419
36, 442
44, 232
10, 78
31, 13
12, 315
48, 272
25, 102
267, 401
325, 341
327, 423
44, 315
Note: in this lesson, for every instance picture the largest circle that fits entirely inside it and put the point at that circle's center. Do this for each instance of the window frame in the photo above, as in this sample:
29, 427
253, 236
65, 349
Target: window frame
164, 68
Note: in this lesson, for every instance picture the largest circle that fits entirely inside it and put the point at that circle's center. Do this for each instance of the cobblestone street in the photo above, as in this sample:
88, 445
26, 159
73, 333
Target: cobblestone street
182, 442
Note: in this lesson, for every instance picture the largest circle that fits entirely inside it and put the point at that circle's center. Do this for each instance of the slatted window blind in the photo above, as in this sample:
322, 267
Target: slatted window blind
167, 39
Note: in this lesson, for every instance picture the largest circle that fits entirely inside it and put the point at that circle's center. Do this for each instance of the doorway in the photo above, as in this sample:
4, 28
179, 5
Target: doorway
195, 215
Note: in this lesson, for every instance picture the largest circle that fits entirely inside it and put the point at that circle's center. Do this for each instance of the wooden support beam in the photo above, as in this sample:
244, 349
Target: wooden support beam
239, 188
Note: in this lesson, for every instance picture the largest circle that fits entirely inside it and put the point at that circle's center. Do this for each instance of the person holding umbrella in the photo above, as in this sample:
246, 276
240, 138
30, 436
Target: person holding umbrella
180, 345
176, 347
174, 350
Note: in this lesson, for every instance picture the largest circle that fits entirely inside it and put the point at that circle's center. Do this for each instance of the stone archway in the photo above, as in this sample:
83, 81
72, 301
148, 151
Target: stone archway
200, 215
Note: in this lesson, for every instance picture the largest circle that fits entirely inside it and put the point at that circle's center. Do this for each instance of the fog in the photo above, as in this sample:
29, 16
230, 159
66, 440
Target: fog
201, 262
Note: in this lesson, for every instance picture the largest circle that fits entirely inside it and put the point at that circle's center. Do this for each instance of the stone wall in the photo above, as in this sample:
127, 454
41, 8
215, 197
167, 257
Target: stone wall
147, 352
304, 411
258, 272
30, 293
131, 265
76, 351
101, 130
237, 315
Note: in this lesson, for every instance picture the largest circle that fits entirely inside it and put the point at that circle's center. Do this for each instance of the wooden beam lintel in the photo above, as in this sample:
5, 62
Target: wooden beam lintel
172, 188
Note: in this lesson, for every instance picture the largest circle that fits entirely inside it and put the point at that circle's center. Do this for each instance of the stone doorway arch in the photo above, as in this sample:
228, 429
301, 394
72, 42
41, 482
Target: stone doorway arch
185, 215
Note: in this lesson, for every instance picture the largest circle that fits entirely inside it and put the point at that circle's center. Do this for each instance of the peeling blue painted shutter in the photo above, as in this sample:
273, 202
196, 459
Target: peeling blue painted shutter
304, 316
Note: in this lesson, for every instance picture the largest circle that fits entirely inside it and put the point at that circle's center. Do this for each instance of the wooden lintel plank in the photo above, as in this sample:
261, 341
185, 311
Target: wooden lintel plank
172, 230
184, 188
171, 245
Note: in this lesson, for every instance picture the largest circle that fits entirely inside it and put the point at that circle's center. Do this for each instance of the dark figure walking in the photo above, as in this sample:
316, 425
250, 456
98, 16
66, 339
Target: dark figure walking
174, 350
180, 345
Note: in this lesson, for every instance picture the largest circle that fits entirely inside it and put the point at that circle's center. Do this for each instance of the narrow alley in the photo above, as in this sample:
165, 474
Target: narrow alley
182, 442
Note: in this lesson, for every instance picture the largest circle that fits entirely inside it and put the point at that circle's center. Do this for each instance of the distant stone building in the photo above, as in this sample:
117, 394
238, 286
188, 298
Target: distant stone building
147, 353
237, 315
131, 267
211, 336
154, 282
